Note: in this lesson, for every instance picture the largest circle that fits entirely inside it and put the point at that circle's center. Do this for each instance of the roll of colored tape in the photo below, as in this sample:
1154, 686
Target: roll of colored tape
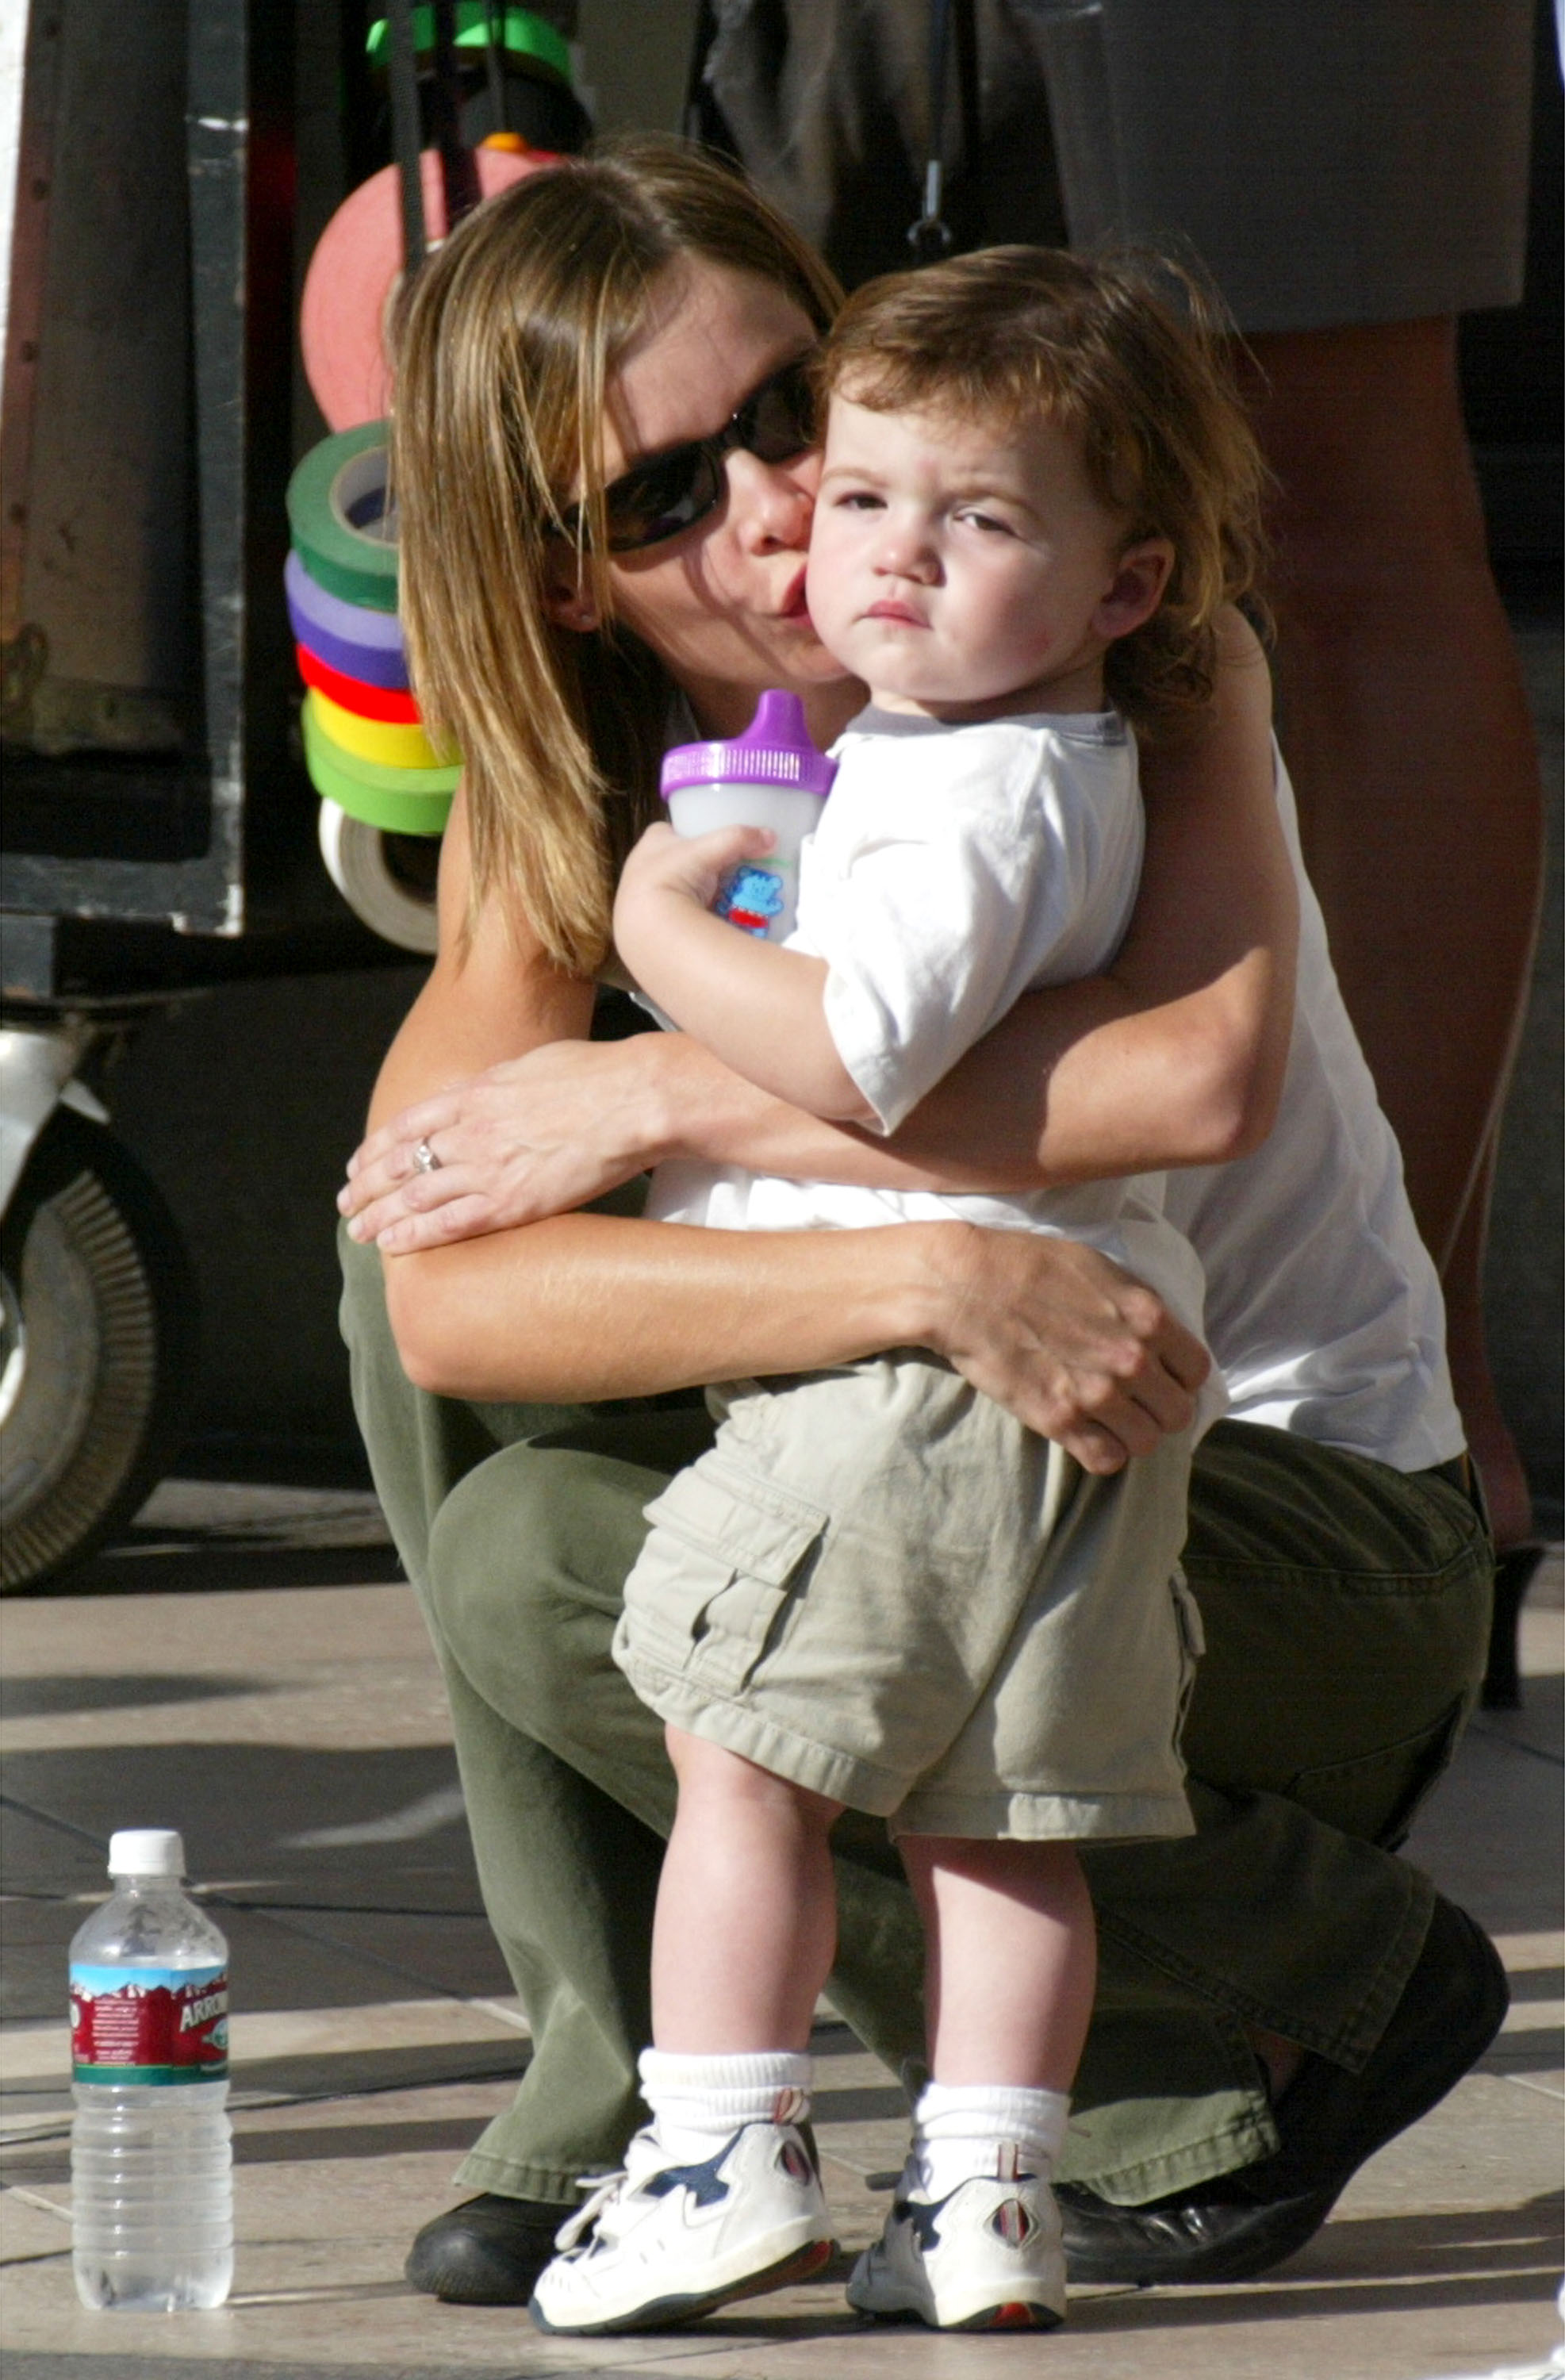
354, 694
344, 533
517, 29
361, 866
356, 266
346, 637
401, 800
389, 743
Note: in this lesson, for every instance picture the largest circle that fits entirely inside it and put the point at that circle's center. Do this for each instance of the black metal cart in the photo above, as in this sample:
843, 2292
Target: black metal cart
160, 829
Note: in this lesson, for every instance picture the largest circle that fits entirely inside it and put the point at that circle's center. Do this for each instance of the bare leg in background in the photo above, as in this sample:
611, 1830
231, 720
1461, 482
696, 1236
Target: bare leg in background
1410, 744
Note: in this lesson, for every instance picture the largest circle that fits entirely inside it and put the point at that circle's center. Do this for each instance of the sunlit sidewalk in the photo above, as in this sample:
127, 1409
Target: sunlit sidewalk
296, 1733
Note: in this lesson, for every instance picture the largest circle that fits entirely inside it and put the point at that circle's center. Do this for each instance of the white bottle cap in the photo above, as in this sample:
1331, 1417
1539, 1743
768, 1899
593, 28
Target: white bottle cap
146, 1850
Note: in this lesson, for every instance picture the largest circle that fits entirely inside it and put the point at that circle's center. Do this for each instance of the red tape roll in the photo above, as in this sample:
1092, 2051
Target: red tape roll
365, 701
356, 265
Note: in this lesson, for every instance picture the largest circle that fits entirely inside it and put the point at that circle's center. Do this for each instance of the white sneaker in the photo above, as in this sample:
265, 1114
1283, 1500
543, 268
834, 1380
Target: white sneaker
987, 2257
662, 2243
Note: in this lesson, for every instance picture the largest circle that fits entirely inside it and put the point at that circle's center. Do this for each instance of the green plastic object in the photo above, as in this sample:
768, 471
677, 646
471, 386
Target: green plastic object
345, 475
399, 801
524, 35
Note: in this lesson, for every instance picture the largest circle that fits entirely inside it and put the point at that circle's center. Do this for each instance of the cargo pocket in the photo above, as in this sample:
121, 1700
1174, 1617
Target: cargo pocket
1378, 1795
727, 1548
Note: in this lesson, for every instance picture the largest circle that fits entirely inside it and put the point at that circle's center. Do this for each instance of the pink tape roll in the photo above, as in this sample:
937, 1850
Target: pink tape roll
356, 264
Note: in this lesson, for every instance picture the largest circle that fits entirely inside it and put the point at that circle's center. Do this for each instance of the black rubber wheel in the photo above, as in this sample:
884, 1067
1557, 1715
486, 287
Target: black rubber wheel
97, 1354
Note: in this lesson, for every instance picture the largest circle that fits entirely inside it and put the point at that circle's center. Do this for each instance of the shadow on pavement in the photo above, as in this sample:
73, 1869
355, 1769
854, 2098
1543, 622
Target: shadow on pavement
206, 1565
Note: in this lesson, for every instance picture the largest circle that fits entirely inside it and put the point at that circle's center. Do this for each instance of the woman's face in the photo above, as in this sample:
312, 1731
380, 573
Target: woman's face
724, 604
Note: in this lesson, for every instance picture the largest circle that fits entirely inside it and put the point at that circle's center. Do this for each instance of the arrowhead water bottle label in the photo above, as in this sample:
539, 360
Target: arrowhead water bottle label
149, 2024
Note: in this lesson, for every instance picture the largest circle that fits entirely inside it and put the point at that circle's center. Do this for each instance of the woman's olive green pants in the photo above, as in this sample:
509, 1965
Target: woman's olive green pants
1346, 1616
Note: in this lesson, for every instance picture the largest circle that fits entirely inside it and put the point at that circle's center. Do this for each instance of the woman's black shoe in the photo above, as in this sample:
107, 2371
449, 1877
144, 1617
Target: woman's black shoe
1513, 1575
489, 2251
1330, 2122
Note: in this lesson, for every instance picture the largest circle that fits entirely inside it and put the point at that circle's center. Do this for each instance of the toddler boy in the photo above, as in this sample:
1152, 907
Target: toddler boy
880, 1591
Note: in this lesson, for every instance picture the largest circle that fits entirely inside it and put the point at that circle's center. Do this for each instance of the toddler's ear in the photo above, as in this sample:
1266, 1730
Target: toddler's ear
1140, 580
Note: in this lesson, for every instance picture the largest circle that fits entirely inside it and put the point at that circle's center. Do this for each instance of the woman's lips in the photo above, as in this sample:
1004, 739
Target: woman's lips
795, 605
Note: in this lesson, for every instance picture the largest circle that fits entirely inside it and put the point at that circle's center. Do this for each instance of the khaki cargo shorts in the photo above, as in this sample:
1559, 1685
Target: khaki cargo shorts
880, 1584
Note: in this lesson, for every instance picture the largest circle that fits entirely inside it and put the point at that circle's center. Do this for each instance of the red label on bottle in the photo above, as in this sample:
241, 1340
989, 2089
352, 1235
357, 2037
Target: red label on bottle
149, 2024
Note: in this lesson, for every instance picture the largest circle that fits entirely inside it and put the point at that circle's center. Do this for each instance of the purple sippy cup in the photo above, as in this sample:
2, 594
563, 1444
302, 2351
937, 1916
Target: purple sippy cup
771, 776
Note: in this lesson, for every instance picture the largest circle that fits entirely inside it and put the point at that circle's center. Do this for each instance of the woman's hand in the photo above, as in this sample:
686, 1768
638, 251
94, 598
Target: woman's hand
1068, 1341
535, 1135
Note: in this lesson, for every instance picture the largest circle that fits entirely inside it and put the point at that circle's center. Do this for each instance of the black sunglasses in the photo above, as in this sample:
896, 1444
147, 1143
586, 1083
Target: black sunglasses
671, 491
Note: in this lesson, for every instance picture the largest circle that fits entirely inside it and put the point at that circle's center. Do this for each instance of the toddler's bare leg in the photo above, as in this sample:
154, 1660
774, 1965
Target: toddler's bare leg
746, 1923
973, 2240
1012, 1958
742, 1941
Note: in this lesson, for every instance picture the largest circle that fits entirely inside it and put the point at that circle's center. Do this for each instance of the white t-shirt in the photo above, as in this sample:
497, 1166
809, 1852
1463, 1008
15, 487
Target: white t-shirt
1323, 1306
954, 868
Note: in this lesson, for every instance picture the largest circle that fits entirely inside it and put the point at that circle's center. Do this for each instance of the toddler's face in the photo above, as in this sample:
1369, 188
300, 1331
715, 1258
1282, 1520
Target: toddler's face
960, 568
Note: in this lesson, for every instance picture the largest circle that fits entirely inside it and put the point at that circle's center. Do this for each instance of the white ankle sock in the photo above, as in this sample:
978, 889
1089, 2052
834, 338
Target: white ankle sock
963, 2129
699, 2102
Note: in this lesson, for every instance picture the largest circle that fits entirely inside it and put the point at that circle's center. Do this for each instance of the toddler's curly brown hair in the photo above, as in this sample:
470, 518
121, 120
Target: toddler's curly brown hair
1128, 353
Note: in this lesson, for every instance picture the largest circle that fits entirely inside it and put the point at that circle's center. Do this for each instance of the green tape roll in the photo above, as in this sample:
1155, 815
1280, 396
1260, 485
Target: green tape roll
524, 34
342, 476
402, 804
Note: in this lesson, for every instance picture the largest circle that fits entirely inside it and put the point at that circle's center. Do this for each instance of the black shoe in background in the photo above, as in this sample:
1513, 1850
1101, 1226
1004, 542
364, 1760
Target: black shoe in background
1330, 2122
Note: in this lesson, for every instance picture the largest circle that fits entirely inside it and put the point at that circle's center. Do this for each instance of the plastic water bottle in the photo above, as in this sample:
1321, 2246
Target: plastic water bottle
151, 2159
771, 776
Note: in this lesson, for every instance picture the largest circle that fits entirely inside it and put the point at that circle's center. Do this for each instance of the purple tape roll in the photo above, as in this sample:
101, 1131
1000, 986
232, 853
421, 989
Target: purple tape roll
346, 637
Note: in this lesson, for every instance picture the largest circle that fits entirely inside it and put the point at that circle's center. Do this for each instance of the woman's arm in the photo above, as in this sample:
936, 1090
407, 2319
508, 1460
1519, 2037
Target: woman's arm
590, 1306
490, 996
1175, 1056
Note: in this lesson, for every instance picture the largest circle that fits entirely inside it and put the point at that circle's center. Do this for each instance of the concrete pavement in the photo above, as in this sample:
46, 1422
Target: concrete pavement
241, 1684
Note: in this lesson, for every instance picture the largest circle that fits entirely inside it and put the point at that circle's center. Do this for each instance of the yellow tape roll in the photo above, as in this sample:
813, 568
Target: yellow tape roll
391, 743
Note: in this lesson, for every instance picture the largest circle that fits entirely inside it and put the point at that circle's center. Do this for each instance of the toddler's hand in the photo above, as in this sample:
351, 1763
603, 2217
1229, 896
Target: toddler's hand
665, 866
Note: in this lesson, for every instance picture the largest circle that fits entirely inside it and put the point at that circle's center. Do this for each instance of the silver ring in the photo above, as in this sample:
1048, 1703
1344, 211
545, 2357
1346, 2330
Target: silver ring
424, 1158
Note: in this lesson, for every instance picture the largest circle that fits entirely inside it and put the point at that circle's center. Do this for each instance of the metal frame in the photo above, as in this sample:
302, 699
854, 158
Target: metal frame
223, 861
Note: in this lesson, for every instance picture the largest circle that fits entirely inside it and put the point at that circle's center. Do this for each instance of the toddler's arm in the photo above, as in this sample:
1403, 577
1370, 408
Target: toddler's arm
757, 1006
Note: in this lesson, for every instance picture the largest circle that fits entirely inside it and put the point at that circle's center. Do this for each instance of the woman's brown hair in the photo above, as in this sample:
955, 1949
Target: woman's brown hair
511, 341
1127, 352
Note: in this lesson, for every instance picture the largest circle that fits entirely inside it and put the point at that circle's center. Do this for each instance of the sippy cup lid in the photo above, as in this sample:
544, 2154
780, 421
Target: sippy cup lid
775, 750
